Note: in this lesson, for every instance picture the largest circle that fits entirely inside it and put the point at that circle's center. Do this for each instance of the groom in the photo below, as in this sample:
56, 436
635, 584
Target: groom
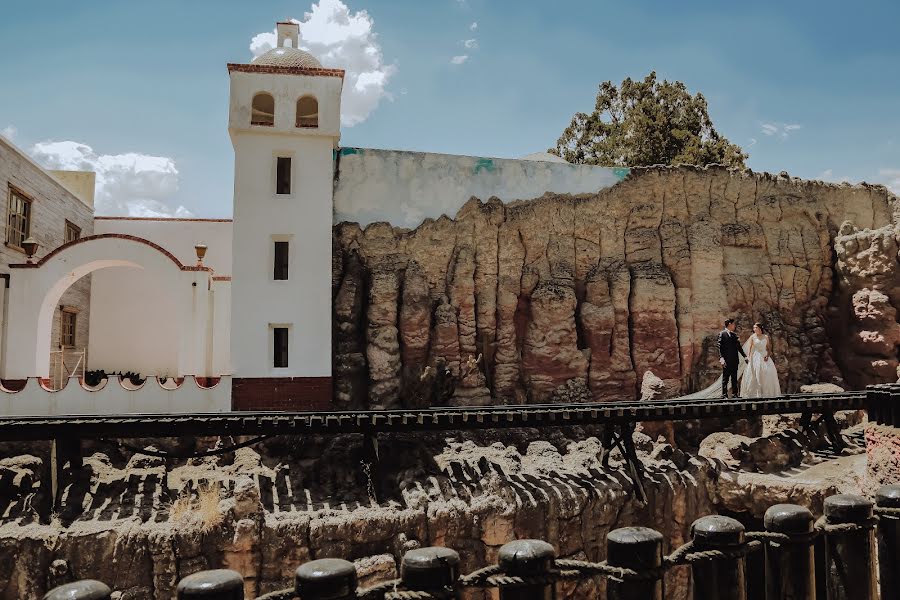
729, 347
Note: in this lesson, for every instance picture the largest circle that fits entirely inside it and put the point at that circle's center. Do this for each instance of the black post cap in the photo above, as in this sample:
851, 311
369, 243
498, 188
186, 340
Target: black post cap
326, 579
717, 531
847, 508
526, 557
86, 589
888, 496
429, 568
788, 518
634, 547
216, 584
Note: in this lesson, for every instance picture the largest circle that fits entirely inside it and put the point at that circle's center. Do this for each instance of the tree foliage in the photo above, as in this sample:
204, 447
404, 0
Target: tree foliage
644, 123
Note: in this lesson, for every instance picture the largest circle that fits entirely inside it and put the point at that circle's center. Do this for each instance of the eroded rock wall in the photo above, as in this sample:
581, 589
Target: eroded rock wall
601, 288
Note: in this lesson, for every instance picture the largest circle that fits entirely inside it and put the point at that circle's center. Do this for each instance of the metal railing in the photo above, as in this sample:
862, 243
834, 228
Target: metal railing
61, 371
635, 567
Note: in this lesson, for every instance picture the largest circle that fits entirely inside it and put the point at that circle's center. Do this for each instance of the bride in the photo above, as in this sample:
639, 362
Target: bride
760, 378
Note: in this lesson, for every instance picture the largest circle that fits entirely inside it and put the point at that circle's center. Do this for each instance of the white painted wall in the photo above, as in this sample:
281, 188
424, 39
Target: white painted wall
178, 236
304, 218
117, 397
132, 328
404, 188
34, 294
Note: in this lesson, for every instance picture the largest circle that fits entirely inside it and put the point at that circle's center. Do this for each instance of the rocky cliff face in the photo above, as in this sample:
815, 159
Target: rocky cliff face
507, 302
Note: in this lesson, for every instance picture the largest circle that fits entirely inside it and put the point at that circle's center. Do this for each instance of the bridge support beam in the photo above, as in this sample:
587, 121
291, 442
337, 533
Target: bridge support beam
65, 461
883, 435
371, 466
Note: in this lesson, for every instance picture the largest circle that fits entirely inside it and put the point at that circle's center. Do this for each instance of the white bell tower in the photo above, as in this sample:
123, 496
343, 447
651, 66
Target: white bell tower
284, 123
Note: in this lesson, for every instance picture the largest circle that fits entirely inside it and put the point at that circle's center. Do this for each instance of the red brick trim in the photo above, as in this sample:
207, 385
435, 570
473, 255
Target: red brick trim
221, 277
101, 236
281, 393
175, 219
251, 68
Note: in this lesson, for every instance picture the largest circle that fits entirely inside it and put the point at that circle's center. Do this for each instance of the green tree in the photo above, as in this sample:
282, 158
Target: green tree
644, 123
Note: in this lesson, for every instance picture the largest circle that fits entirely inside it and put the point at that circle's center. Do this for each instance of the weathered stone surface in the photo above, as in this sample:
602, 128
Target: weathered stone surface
636, 277
285, 502
868, 294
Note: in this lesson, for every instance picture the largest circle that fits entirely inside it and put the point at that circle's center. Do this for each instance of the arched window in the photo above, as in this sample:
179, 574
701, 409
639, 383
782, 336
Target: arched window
263, 112
307, 112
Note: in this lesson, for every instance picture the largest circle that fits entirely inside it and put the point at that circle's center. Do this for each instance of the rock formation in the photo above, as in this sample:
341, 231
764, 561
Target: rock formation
140, 523
602, 288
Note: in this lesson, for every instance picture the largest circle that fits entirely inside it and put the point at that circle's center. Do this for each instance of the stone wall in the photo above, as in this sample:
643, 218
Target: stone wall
508, 301
51, 206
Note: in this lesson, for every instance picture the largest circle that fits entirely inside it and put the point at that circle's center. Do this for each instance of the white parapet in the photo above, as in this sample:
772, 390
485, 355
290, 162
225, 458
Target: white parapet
116, 396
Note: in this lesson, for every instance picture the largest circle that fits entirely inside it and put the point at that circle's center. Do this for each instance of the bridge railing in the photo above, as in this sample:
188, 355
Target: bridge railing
861, 545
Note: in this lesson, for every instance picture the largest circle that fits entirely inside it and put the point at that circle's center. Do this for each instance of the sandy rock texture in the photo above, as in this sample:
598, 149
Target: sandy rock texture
602, 288
866, 303
140, 526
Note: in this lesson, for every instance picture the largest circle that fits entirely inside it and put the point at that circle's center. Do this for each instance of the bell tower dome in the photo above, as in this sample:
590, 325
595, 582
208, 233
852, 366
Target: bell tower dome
284, 124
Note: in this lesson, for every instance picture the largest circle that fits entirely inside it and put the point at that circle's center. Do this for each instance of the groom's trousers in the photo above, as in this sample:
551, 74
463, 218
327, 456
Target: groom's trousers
730, 371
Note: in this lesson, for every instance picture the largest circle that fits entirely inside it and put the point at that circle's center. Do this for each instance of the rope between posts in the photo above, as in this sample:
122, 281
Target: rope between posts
439, 594
570, 569
480, 577
783, 538
585, 569
887, 511
823, 525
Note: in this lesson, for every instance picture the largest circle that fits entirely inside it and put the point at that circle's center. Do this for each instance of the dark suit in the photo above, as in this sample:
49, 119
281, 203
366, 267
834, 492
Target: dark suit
729, 348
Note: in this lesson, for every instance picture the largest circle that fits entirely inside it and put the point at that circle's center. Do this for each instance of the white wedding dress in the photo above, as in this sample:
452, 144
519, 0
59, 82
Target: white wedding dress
762, 383
760, 378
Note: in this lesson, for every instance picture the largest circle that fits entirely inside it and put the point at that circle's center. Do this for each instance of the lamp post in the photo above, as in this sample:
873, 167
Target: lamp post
30, 246
200, 249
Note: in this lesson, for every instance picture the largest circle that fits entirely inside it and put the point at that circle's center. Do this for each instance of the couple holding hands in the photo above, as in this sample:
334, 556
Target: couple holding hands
756, 372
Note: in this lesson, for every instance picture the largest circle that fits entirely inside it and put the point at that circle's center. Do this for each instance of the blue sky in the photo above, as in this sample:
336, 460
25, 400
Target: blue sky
806, 87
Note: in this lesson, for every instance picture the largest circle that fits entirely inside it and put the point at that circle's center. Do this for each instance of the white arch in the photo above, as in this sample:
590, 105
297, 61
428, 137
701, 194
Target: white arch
35, 291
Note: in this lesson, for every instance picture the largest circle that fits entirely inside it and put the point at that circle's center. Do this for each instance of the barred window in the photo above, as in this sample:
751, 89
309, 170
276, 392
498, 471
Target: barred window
67, 329
73, 232
19, 221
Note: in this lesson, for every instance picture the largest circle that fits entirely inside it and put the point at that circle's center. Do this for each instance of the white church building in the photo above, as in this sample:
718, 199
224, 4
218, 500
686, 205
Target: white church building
216, 314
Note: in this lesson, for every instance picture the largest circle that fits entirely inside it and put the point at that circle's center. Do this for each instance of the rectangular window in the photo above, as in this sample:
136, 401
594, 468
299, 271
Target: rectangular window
281, 261
19, 222
67, 329
73, 232
283, 175
281, 347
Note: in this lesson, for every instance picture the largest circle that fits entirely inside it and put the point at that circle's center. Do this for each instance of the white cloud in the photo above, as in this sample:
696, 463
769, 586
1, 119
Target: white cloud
828, 175
890, 178
458, 60
470, 44
473, 26
344, 40
782, 130
752, 143
9, 132
130, 184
